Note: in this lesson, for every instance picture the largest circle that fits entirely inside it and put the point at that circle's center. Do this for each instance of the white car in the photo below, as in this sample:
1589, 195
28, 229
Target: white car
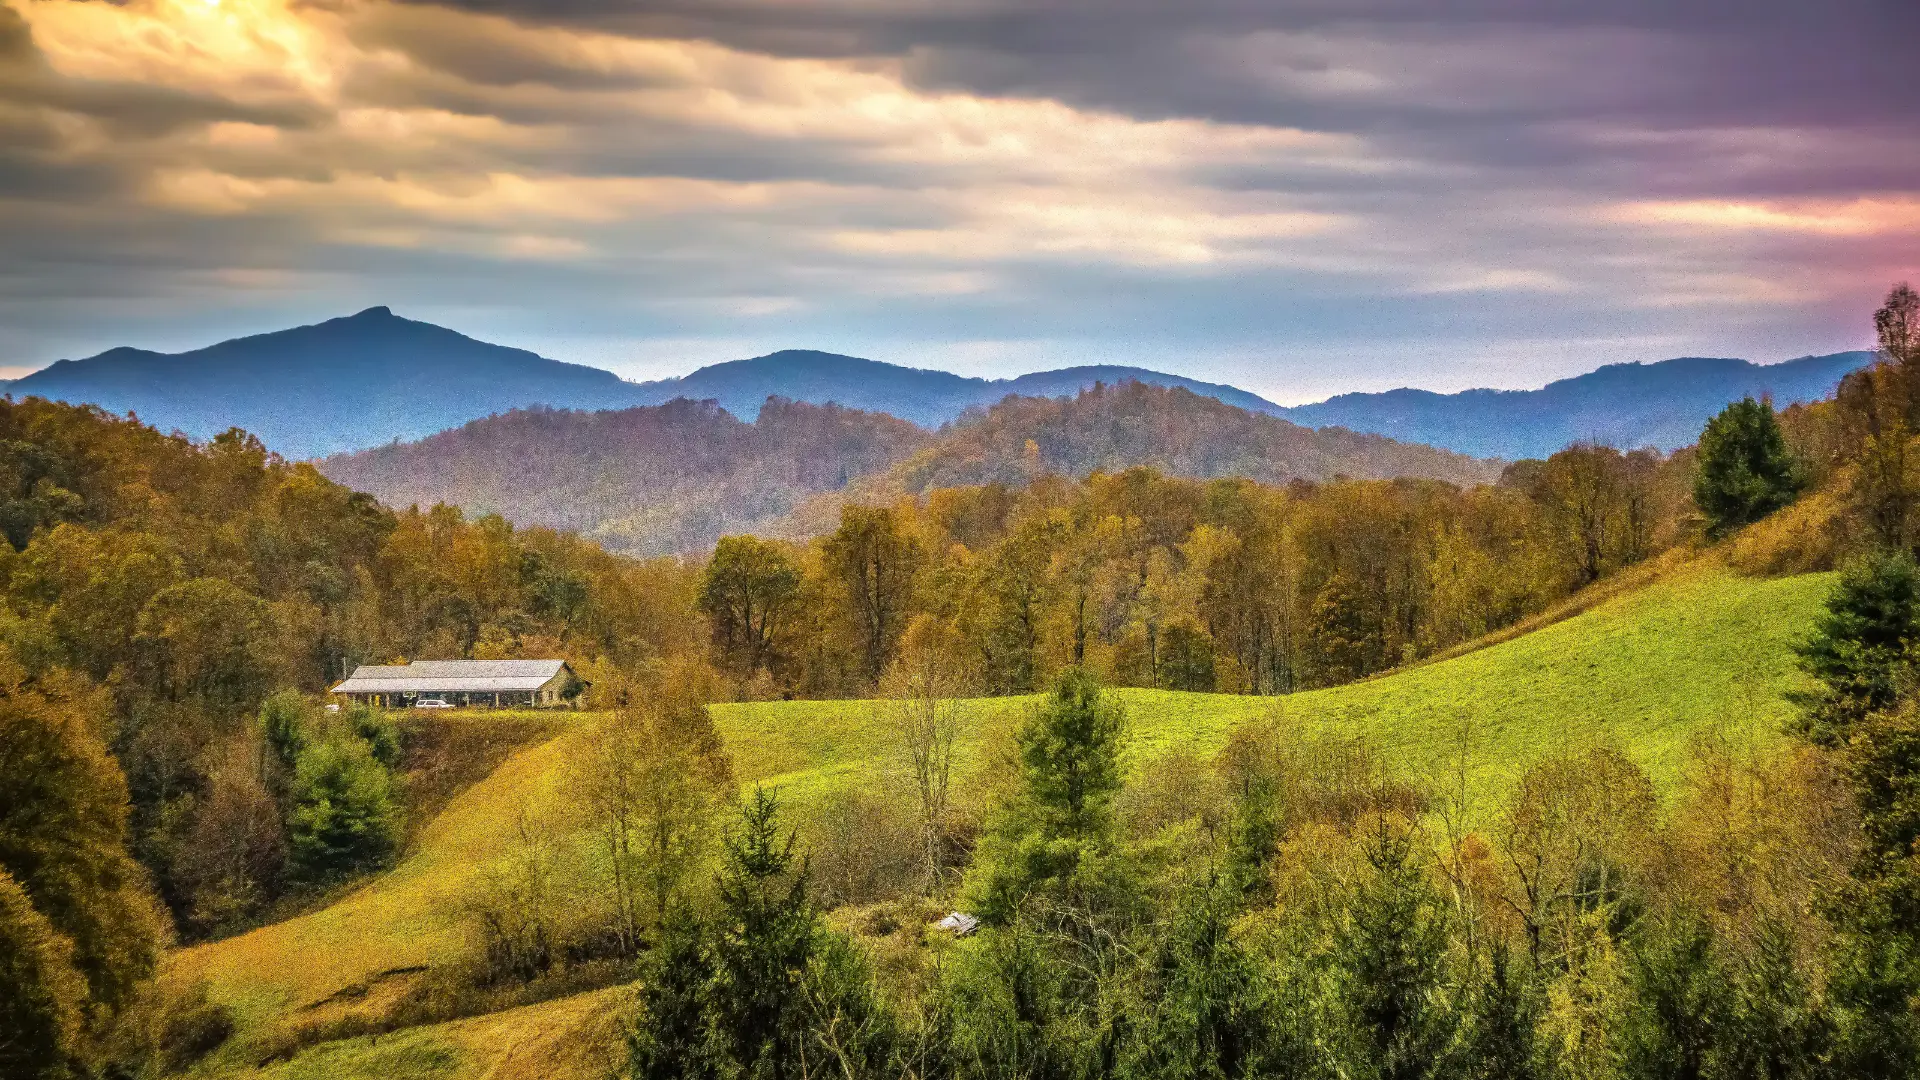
431, 703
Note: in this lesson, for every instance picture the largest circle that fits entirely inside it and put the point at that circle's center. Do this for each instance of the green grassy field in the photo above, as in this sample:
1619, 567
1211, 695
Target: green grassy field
1701, 650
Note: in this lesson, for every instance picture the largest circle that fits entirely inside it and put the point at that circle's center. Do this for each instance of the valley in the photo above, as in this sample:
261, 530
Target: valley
1696, 653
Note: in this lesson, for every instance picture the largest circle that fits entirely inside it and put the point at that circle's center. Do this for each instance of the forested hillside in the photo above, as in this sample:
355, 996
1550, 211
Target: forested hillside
650, 480
163, 590
929, 397
1173, 430
675, 478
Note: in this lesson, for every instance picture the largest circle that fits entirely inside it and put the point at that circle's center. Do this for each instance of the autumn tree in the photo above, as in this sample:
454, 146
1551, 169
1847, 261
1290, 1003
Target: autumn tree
43, 1013
1250, 567
1897, 325
654, 778
1006, 613
873, 560
207, 640
1879, 409
1597, 506
747, 591
72, 900
233, 857
1574, 837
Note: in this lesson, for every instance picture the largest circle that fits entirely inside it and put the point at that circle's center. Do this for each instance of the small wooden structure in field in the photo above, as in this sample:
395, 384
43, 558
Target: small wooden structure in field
525, 683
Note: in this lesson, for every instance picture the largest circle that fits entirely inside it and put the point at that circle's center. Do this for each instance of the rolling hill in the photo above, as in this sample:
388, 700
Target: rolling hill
675, 477
654, 479
1699, 650
1113, 427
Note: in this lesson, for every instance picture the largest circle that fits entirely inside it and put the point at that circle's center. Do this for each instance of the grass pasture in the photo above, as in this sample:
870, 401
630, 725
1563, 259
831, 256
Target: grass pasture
1700, 650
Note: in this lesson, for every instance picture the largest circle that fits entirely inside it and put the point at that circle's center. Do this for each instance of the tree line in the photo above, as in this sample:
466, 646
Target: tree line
1149, 580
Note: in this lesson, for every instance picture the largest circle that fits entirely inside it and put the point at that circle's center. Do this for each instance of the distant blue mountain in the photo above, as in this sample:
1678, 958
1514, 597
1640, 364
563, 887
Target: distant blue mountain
373, 378
1662, 405
340, 385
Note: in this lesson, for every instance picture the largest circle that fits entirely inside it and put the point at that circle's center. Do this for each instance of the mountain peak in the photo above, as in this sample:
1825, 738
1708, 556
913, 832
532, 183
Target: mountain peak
378, 311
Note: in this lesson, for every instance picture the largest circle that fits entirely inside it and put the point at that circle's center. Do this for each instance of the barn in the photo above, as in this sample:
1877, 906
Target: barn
525, 683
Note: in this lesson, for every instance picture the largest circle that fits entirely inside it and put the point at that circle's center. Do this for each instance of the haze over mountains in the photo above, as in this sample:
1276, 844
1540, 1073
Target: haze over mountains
371, 378
1662, 405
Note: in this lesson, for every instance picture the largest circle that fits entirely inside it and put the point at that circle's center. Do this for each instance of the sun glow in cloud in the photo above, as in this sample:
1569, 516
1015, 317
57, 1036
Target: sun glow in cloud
248, 49
1857, 217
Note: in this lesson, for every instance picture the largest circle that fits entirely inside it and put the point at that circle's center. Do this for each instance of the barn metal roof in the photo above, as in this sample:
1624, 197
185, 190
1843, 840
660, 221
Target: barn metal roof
450, 676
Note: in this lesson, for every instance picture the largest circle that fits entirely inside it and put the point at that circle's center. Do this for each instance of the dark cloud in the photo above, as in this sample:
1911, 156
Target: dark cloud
1501, 84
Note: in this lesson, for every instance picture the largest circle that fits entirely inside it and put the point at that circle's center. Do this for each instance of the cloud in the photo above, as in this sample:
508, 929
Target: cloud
1298, 196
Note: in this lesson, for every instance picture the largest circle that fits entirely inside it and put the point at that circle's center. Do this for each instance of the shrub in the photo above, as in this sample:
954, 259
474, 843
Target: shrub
343, 819
167, 1030
378, 731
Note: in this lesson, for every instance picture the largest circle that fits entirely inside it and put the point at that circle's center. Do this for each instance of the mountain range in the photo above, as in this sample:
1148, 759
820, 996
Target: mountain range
1663, 405
373, 378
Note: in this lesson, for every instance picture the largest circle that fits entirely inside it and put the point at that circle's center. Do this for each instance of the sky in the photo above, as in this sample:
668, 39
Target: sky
1300, 198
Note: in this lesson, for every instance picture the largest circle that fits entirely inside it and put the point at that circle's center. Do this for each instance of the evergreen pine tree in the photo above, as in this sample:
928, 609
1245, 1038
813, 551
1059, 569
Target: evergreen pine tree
1205, 1013
763, 943
1861, 643
1745, 470
1390, 997
1070, 757
1876, 977
1779, 1028
344, 818
1062, 824
670, 1040
1499, 1041
1676, 1027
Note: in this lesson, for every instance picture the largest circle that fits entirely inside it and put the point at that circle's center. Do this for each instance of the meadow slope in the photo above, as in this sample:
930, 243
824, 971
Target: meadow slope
1701, 650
